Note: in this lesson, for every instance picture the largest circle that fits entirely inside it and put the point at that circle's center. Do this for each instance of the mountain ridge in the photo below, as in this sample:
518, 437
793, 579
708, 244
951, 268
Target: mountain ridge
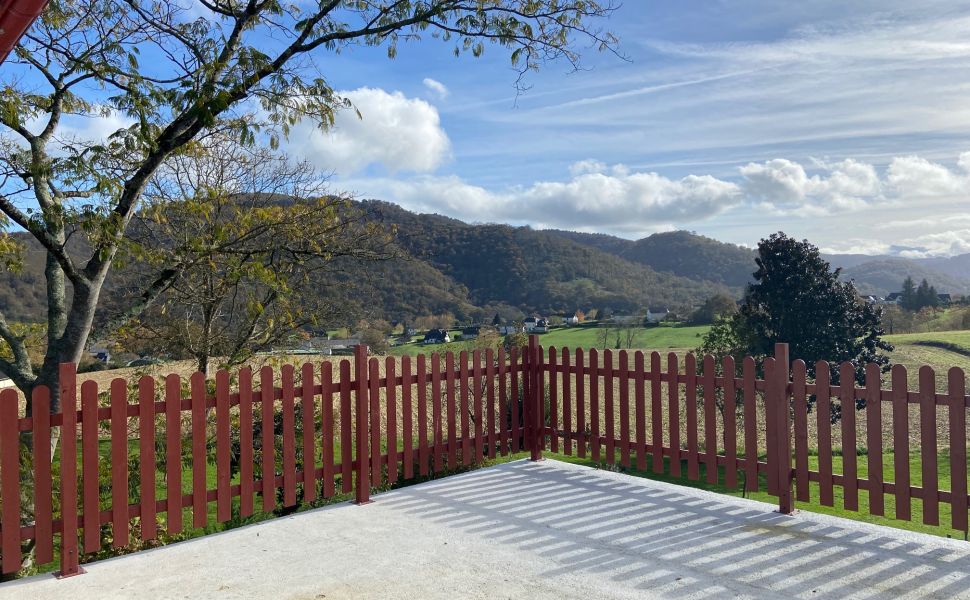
477, 270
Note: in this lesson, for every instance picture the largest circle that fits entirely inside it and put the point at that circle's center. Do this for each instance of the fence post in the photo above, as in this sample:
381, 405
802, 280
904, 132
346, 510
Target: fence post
67, 381
783, 437
362, 488
537, 392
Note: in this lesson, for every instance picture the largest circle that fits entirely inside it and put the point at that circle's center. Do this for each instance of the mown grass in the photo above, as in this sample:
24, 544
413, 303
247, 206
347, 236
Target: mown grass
912, 352
647, 338
664, 337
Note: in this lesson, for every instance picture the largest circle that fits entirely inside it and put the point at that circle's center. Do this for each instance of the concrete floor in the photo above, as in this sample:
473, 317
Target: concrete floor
535, 530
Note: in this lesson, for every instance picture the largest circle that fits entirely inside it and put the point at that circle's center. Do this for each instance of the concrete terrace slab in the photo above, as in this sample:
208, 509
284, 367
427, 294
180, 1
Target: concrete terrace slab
535, 530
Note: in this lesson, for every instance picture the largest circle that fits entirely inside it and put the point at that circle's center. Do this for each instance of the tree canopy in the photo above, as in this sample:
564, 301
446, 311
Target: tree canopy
249, 68
798, 299
251, 234
916, 298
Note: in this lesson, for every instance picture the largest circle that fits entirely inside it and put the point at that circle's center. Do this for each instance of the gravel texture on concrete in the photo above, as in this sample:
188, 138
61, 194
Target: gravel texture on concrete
535, 530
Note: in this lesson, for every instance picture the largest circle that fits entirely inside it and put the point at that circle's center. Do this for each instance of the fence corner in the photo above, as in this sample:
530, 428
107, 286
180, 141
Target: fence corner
362, 483
537, 392
786, 500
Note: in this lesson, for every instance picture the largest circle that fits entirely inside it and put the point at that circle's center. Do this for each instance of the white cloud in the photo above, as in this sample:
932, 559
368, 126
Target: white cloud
785, 185
778, 193
96, 126
617, 200
393, 131
587, 166
916, 177
943, 243
440, 89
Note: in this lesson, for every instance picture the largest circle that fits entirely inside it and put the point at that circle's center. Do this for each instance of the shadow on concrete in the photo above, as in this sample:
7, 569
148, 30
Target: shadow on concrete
685, 543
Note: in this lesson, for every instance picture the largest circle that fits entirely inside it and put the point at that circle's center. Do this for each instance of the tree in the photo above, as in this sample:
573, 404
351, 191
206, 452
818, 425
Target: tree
247, 67
926, 296
630, 328
375, 340
515, 340
895, 319
442, 321
719, 305
252, 234
797, 298
908, 298
604, 334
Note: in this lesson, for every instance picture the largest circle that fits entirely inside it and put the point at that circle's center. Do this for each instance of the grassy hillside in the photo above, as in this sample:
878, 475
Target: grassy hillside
941, 350
958, 341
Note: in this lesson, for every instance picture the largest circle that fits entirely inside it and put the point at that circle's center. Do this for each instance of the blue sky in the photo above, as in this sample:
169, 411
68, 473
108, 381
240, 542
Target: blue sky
844, 123
733, 119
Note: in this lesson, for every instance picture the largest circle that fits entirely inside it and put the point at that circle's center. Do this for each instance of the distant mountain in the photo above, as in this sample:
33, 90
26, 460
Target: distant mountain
701, 258
542, 271
680, 253
847, 261
474, 271
601, 241
955, 266
884, 276
697, 257
471, 271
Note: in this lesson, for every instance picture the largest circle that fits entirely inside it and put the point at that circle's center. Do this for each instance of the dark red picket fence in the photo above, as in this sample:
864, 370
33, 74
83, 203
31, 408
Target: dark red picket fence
346, 427
720, 413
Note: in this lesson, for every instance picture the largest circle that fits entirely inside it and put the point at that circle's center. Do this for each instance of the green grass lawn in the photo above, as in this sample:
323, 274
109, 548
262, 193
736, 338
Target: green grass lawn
665, 337
911, 352
649, 338
959, 339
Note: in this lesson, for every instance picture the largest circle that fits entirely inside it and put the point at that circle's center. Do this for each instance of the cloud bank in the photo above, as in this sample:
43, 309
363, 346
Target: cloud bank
393, 133
616, 199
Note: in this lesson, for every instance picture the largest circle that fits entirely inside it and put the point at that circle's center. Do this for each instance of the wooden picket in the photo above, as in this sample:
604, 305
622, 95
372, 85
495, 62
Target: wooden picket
613, 407
874, 439
673, 413
640, 422
690, 366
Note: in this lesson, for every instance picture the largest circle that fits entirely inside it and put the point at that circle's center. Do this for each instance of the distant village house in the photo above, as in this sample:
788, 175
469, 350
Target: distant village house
535, 325
436, 336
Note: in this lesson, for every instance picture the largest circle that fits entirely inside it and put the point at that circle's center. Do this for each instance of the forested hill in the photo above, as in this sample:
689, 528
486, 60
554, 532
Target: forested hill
680, 253
701, 258
535, 270
471, 271
475, 271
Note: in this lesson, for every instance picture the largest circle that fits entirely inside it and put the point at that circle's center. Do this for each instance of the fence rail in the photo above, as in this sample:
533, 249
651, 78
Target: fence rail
212, 452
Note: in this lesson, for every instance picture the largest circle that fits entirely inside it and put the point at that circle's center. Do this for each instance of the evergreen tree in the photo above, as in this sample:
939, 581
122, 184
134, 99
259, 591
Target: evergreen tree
908, 299
797, 298
925, 296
